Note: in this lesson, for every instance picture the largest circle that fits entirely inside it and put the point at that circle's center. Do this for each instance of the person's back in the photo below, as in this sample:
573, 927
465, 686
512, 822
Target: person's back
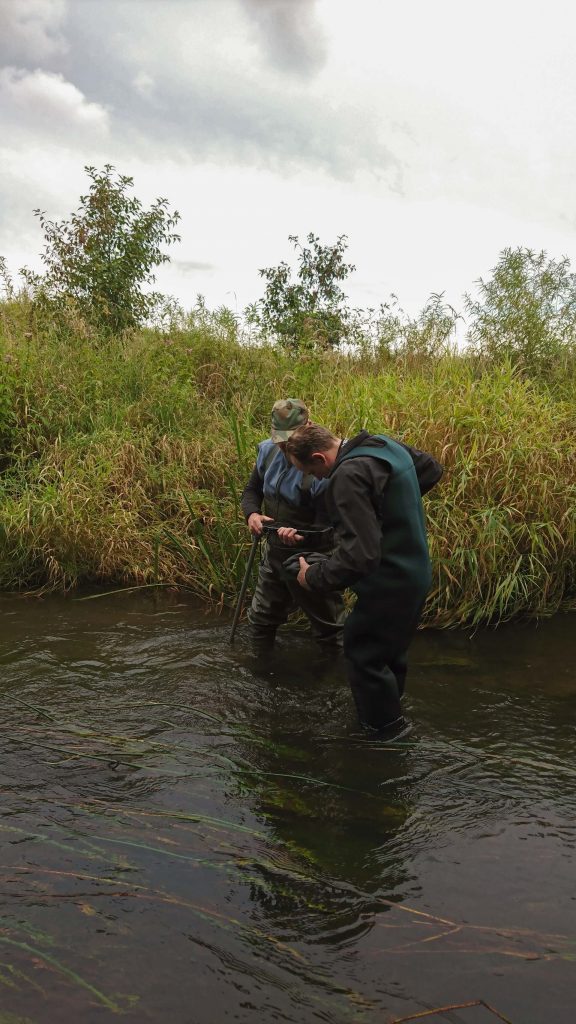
404, 558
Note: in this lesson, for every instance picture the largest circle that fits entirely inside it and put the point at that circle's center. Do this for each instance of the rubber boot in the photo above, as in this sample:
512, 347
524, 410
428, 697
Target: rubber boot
393, 732
262, 637
376, 697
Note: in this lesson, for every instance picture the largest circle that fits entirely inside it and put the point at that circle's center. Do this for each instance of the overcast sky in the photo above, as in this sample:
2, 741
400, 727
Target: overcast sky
431, 134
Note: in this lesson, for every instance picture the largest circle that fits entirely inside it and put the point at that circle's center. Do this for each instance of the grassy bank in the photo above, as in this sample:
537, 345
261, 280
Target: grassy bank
122, 462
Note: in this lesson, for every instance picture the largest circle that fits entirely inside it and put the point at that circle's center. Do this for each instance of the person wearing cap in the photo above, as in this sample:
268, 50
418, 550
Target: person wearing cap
374, 501
278, 493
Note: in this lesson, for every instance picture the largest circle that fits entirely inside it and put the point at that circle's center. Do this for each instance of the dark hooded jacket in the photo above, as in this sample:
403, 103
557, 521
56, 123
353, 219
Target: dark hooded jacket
360, 489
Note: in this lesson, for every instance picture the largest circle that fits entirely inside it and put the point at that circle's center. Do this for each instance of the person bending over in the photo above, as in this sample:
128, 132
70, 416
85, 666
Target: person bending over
374, 502
279, 493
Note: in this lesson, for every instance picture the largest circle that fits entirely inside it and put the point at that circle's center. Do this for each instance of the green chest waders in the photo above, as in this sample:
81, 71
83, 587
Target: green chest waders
389, 602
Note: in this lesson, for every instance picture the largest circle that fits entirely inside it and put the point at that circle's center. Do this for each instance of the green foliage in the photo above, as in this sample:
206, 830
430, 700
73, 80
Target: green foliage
526, 311
124, 461
427, 336
7, 402
7, 374
99, 260
128, 458
6, 280
311, 312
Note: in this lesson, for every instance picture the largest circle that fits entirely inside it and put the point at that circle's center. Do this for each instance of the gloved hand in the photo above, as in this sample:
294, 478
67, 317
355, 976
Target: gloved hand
291, 566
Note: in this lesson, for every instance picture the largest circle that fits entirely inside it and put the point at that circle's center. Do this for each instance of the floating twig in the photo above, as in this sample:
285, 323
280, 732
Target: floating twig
453, 1006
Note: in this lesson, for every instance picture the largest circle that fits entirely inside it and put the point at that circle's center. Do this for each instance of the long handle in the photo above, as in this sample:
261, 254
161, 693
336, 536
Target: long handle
240, 602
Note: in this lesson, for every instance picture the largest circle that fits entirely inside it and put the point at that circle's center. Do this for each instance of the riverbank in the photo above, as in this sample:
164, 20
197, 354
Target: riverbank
123, 462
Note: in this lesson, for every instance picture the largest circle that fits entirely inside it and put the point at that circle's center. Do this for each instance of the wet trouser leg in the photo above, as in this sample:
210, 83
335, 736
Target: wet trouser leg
399, 666
274, 598
325, 613
377, 634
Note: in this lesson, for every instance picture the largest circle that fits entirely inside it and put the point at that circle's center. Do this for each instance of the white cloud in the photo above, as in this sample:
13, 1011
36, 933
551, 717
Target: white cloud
208, 81
43, 102
144, 84
433, 135
32, 30
293, 38
477, 105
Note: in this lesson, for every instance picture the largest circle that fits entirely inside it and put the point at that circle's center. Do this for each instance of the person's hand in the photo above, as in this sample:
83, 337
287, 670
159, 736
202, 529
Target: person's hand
255, 521
289, 535
302, 574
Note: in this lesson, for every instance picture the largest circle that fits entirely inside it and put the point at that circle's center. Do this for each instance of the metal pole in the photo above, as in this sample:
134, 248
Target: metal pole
240, 602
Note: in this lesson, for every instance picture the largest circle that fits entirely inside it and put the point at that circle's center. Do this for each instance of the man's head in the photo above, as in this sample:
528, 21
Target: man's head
313, 450
287, 415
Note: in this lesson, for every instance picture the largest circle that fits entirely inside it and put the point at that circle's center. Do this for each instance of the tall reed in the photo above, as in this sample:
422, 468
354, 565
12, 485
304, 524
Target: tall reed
124, 460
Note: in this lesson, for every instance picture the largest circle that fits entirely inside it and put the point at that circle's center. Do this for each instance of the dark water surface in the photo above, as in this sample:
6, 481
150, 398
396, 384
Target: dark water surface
192, 835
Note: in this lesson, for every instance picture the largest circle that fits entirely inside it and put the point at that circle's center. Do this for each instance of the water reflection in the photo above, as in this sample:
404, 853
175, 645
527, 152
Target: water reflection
188, 825
320, 809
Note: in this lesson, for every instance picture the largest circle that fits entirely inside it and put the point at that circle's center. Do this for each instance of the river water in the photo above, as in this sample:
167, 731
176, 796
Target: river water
192, 834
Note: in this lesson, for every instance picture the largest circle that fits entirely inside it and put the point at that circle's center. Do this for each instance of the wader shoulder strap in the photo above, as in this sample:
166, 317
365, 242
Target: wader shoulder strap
307, 478
393, 453
269, 458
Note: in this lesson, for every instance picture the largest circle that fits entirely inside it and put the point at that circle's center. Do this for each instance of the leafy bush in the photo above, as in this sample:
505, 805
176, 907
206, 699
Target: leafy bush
427, 336
98, 261
526, 311
310, 312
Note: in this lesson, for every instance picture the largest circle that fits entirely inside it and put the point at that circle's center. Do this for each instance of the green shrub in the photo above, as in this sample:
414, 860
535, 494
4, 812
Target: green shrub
98, 262
526, 311
311, 312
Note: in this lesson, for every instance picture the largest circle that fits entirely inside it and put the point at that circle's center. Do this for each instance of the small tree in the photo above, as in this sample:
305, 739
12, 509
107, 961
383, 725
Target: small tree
527, 310
427, 336
311, 311
100, 259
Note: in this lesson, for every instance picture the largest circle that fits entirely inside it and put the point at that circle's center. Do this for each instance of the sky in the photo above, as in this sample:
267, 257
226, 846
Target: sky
432, 135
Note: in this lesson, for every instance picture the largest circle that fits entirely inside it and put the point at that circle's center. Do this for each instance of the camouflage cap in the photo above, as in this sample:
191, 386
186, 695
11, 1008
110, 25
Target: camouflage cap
287, 415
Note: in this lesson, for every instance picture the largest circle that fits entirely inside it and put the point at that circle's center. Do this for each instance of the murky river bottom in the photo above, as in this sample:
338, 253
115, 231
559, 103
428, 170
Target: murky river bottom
191, 834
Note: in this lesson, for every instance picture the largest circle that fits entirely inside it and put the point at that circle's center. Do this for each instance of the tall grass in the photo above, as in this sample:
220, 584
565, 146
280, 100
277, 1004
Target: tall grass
123, 461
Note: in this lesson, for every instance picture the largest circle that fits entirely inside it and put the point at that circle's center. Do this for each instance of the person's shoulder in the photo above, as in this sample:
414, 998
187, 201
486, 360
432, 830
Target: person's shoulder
267, 451
359, 471
266, 445
353, 467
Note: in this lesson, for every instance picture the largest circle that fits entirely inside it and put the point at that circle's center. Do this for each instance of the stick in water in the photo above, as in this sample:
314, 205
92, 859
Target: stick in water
241, 595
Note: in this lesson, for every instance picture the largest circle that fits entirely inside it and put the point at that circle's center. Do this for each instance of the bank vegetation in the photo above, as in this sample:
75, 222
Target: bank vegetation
123, 458
128, 426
